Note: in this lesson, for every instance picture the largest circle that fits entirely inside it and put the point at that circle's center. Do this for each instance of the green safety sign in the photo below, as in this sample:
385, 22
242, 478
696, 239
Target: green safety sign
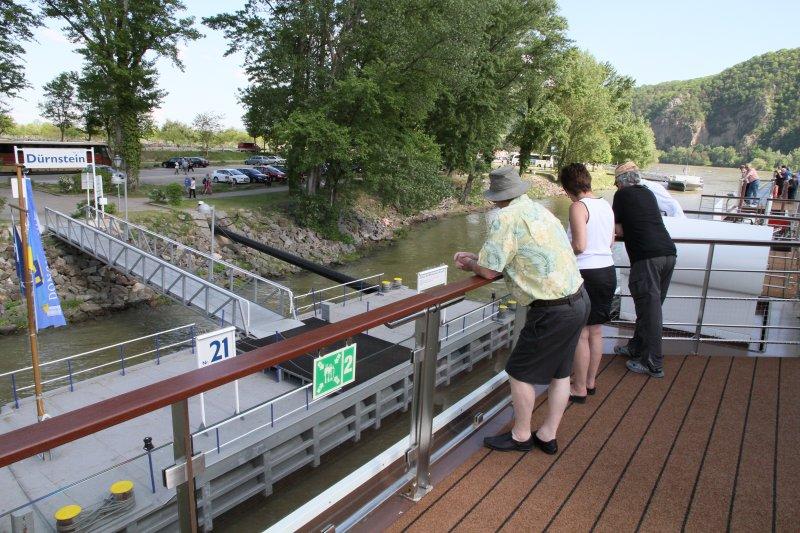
334, 370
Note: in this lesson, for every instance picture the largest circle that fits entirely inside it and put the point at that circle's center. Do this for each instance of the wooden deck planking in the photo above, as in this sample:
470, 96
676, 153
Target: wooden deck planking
711, 447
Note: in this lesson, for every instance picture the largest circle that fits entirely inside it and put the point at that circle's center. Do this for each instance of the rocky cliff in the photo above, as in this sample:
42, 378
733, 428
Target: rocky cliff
754, 103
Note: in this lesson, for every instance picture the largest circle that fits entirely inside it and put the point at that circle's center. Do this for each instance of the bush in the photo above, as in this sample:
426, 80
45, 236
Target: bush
66, 184
315, 212
80, 209
171, 194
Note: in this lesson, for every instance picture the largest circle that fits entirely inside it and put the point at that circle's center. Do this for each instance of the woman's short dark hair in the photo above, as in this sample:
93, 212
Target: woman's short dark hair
575, 178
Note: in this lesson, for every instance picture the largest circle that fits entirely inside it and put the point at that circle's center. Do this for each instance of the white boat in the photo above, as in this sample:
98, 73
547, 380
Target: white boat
684, 182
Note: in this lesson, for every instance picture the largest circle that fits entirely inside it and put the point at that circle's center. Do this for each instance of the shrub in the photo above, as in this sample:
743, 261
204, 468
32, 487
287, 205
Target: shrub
315, 212
67, 184
80, 209
171, 194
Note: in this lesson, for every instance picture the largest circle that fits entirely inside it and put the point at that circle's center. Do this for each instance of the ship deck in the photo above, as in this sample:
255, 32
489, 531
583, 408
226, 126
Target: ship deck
711, 447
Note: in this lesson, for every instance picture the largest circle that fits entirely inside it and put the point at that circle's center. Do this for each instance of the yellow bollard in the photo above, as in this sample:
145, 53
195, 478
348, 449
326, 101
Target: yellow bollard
122, 490
512, 304
385, 286
66, 518
397, 283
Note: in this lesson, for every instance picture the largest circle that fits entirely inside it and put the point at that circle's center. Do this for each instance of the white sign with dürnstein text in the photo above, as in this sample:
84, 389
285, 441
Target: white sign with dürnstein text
54, 157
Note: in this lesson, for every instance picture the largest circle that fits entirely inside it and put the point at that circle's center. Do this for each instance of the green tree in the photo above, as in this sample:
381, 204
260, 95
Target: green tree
61, 101
96, 107
206, 127
509, 37
16, 24
588, 106
175, 132
355, 78
122, 40
633, 140
6, 123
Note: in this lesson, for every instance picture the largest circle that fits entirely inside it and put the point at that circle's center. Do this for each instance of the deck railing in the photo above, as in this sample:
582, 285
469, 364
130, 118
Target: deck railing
120, 355
425, 309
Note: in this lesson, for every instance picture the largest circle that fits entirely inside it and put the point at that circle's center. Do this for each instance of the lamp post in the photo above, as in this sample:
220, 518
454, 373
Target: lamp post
207, 210
118, 166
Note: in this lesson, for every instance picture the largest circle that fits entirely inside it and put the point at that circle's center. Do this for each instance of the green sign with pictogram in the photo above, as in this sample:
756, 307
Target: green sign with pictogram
334, 370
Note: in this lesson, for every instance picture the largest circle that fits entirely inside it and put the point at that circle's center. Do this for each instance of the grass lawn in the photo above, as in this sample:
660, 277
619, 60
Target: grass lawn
252, 201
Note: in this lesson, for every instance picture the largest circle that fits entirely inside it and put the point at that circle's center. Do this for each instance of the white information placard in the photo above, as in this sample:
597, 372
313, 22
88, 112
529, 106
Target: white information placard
54, 157
211, 348
215, 346
86, 181
431, 278
98, 185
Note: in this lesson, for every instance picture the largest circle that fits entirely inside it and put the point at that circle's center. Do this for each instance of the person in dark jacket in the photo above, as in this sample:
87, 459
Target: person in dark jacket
652, 255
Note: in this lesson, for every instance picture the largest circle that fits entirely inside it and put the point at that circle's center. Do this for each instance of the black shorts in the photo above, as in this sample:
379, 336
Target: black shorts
600, 283
547, 342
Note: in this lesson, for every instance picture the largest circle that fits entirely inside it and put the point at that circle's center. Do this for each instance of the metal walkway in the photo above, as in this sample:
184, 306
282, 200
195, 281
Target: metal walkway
173, 269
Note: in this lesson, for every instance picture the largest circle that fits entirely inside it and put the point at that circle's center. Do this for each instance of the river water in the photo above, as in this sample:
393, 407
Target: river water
426, 245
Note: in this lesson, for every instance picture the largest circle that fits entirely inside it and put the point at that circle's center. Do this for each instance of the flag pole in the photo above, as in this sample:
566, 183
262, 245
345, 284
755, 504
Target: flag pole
27, 261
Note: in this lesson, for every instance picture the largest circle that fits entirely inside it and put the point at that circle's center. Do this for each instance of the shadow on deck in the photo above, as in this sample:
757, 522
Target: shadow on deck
711, 447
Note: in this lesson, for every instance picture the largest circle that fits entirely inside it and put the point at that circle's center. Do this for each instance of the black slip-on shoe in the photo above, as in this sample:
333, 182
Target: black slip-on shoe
505, 443
623, 351
574, 398
591, 391
550, 447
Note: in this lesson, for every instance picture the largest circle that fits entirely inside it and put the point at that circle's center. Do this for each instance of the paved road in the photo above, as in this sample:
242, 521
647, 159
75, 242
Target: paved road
152, 176
66, 203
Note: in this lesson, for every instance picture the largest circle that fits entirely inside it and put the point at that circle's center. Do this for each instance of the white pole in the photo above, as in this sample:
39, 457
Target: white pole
202, 411
211, 269
236, 389
94, 187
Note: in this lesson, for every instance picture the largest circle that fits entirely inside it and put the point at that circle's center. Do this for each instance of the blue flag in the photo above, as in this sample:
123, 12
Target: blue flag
18, 256
46, 301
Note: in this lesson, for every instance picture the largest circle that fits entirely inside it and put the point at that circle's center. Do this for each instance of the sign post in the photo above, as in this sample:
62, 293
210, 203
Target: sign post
431, 278
212, 348
334, 370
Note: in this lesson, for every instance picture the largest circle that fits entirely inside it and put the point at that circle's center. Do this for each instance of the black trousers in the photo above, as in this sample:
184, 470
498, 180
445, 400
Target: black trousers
648, 283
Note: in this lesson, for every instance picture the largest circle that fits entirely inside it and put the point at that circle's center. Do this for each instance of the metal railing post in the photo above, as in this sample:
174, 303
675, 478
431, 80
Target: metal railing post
418, 457
69, 371
703, 298
182, 451
14, 391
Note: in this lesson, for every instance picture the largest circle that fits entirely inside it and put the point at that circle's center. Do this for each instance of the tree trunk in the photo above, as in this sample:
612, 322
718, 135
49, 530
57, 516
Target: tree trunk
467, 187
62, 133
524, 157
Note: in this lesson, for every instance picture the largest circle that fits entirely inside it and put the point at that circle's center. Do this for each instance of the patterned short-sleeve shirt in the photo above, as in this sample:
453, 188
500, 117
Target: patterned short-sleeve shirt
530, 247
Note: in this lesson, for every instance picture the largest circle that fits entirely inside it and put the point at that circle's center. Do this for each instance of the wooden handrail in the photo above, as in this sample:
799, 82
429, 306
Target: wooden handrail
48, 434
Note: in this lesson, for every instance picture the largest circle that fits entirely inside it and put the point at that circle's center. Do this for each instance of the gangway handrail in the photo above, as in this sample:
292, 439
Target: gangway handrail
48, 434
725, 197
240, 301
204, 255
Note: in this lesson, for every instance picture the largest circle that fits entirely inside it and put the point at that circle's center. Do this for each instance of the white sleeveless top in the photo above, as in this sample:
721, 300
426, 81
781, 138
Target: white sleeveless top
599, 230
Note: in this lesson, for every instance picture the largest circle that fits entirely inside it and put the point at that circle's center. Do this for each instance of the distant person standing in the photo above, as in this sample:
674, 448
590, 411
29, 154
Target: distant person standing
185, 165
652, 255
207, 184
193, 188
187, 183
791, 185
591, 233
778, 183
750, 177
177, 166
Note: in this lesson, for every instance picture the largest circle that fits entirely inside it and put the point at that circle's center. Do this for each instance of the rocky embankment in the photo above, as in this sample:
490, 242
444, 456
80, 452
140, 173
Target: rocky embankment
86, 287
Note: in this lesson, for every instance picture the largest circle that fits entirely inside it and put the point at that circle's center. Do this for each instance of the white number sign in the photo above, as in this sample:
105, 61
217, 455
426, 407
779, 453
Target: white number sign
216, 346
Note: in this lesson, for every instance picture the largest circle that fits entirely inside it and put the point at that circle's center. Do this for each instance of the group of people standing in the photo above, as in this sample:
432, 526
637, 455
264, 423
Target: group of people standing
190, 184
184, 165
784, 183
567, 280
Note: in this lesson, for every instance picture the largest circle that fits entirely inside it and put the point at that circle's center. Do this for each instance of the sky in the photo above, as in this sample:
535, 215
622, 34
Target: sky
652, 41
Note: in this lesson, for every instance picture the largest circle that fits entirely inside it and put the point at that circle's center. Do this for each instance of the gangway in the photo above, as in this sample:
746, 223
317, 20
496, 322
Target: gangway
144, 255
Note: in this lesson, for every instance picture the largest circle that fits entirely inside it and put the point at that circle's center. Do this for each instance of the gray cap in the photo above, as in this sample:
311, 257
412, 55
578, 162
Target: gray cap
505, 184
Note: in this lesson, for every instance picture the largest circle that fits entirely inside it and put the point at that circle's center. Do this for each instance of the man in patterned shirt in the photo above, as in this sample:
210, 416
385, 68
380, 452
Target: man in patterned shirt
529, 246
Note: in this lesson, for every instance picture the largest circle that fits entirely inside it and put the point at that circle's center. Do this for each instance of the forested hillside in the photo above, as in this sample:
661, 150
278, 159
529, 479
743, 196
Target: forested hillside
753, 104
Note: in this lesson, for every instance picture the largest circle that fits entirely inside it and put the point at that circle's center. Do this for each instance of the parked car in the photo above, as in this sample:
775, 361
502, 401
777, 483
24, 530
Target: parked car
229, 175
247, 147
254, 175
198, 161
171, 162
257, 160
274, 172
